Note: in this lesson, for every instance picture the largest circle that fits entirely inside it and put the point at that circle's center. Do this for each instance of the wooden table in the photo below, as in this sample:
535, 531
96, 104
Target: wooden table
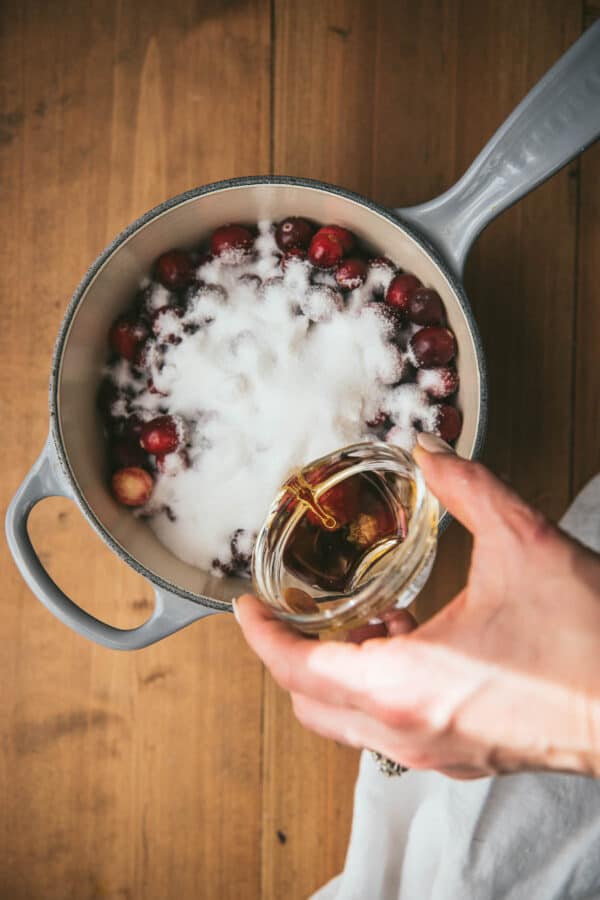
179, 772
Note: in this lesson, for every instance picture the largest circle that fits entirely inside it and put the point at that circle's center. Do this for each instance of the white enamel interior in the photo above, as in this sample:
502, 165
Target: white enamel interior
111, 290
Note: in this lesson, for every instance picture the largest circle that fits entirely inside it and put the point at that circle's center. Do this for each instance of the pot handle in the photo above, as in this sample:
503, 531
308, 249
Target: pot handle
171, 612
558, 119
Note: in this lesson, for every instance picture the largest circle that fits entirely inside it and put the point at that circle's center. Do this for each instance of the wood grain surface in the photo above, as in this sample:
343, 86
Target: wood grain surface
178, 772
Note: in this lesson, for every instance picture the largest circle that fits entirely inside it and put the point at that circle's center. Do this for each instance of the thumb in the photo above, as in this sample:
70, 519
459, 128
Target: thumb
468, 490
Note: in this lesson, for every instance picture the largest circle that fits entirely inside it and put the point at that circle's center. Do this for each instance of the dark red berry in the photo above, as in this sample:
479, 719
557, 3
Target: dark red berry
377, 421
161, 435
433, 346
425, 307
448, 423
231, 242
165, 323
351, 273
382, 262
293, 232
153, 389
400, 290
329, 245
132, 486
126, 452
439, 382
172, 463
174, 270
108, 393
127, 335
289, 255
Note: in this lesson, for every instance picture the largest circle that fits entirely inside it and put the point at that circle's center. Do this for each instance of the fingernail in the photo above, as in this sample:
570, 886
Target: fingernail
433, 444
236, 612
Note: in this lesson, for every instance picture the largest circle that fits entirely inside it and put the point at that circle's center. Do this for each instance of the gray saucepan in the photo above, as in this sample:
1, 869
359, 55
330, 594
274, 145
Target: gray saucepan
556, 121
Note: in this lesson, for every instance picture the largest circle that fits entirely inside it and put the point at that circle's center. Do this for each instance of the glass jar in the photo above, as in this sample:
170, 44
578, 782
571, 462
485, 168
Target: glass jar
347, 537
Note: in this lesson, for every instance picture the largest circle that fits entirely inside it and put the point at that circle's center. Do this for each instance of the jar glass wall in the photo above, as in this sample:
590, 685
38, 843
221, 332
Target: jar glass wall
347, 537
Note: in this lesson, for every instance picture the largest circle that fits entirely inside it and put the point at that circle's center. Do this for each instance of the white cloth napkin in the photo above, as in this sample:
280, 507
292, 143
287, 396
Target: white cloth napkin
422, 836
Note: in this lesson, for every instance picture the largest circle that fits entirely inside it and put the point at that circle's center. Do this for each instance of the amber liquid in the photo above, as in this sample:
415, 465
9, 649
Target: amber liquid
342, 530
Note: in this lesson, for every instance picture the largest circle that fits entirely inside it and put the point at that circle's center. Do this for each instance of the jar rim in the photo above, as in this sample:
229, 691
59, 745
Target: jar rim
406, 560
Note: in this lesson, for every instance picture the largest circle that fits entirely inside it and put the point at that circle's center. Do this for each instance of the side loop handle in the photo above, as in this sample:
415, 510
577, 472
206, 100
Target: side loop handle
171, 612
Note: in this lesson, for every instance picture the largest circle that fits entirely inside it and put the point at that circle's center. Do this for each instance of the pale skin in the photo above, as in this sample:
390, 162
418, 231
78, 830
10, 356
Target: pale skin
505, 678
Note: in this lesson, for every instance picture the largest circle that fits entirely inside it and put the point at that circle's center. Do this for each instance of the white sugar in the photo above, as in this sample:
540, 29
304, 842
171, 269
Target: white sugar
263, 389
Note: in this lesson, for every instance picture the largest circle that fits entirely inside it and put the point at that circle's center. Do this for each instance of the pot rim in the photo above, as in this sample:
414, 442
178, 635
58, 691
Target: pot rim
155, 212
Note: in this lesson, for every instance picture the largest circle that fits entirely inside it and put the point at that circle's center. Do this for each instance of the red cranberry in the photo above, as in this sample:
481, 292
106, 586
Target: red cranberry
293, 233
382, 262
377, 421
153, 389
231, 241
132, 486
389, 317
108, 393
172, 463
351, 273
289, 255
329, 245
165, 324
127, 335
174, 270
400, 290
433, 346
439, 382
161, 435
425, 307
126, 452
341, 502
448, 423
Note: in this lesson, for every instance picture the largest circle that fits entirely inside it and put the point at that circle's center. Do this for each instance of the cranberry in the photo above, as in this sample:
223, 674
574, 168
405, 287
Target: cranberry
161, 435
329, 245
382, 262
165, 323
126, 452
153, 389
351, 273
127, 335
400, 290
294, 233
439, 382
172, 463
378, 420
242, 543
174, 270
388, 317
433, 346
108, 393
425, 307
448, 423
341, 502
289, 255
231, 242
132, 486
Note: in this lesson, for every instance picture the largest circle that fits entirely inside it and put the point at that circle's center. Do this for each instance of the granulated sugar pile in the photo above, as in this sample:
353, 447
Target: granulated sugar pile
264, 371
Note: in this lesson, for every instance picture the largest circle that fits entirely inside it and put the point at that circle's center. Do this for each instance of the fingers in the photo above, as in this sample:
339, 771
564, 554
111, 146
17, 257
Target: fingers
399, 621
347, 726
329, 671
396, 621
468, 490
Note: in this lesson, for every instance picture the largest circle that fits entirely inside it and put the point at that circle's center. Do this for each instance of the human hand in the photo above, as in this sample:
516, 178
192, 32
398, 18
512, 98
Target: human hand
505, 678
